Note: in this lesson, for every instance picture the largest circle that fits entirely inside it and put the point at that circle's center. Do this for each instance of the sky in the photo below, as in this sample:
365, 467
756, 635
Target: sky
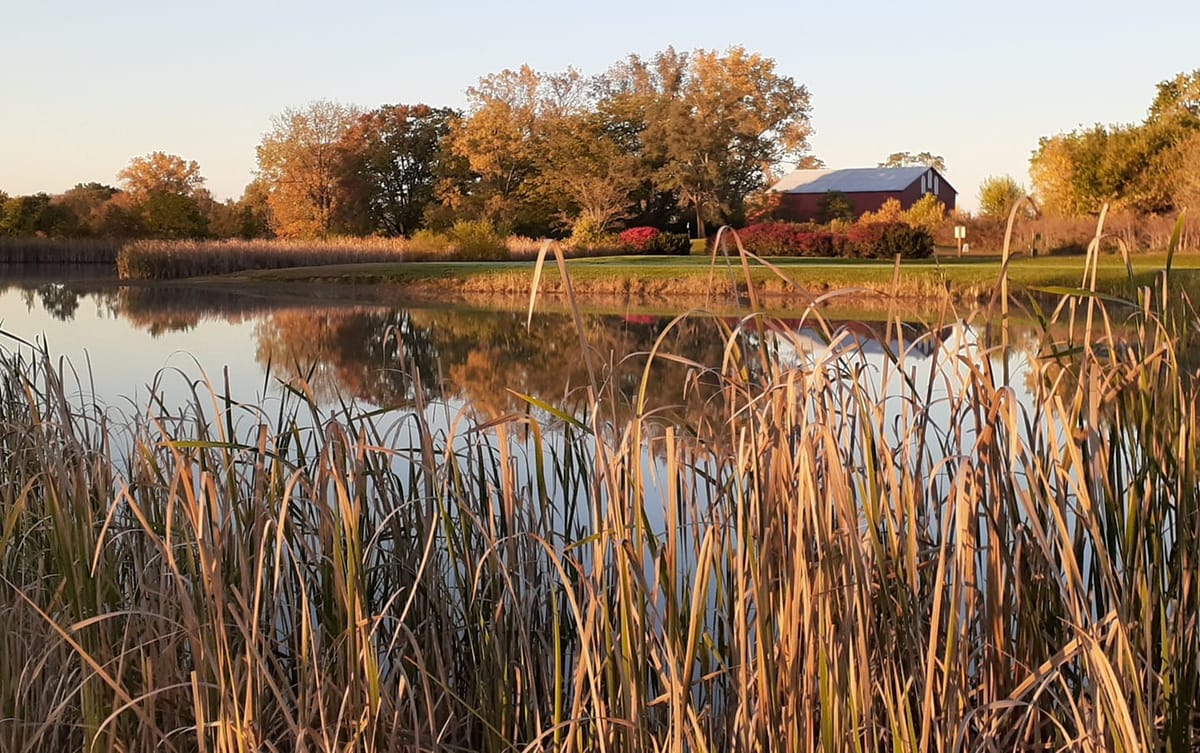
86, 86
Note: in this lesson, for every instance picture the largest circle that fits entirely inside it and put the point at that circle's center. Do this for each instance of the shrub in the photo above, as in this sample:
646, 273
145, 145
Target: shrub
884, 240
430, 242
586, 232
672, 244
891, 211
790, 239
927, 212
639, 240
477, 240
770, 238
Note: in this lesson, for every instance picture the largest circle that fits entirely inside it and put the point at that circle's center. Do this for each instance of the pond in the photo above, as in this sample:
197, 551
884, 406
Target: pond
125, 343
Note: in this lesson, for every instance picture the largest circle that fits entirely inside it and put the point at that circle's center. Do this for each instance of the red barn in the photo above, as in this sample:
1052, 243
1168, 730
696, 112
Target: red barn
803, 194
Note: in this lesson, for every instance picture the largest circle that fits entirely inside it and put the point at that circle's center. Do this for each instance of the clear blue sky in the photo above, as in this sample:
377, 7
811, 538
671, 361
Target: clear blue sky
85, 86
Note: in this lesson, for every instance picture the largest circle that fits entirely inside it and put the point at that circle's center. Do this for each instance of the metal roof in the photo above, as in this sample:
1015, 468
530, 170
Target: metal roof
850, 180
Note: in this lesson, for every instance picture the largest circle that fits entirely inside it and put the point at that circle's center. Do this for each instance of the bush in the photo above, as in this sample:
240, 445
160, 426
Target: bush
672, 244
587, 233
884, 240
790, 239
477, 240
639, 240
430, 242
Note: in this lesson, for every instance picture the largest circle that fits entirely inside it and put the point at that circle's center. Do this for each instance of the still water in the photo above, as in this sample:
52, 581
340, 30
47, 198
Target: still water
127, 344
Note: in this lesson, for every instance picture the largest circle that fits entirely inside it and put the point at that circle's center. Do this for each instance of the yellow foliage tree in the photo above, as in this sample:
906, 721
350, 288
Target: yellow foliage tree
301, 163
159, 172
927, 213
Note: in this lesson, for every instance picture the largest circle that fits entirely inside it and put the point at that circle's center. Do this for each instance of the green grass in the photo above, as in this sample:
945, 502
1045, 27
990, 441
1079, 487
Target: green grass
689, 276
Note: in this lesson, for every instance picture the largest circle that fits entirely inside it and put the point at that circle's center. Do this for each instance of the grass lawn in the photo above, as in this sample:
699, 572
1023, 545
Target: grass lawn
663, 276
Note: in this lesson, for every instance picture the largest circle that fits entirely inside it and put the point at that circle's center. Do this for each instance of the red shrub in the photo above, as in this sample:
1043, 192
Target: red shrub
638, 239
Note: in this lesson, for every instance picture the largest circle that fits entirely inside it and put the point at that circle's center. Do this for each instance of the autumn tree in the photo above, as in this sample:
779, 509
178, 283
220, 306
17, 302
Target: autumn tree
1178, 98
921, 159
88, 202
926, 213
712, 124
592, 176
1140, 167
502, 142
164, 191
161, 172
998, 194
300, 161
392, 161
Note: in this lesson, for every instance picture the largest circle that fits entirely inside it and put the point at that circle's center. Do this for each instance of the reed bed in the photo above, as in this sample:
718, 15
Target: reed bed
163, 260
923, 559
35, 251
166, 260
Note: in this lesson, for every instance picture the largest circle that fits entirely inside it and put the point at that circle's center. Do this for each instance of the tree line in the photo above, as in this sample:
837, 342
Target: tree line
678, 140
1148, 168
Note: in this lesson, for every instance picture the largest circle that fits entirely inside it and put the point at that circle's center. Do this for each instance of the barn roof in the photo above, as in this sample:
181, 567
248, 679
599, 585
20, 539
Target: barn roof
850, 180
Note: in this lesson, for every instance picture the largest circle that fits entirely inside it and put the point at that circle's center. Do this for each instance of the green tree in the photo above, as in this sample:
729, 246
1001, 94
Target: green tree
37, 215
998, 194
921, 159
301, 162
835, 205
392, 163
172, 215
1185, 189
589, 172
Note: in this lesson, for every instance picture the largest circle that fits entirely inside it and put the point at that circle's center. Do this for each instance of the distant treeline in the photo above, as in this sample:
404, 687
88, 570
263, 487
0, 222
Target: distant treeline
680, 141
674, 141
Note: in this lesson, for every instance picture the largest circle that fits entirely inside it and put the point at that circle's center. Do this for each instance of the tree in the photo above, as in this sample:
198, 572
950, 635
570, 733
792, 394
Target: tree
36, 215
998, 194
712, 124
926, 213
908, 159
590, 172
1178, 98
87, 202
392, 161
1186, 187
835, 205
301, 162
161, 172
502, 144
172, 215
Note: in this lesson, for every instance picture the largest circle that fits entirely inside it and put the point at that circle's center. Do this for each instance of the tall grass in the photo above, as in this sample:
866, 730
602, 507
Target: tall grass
32, 251
924, 558
466, 241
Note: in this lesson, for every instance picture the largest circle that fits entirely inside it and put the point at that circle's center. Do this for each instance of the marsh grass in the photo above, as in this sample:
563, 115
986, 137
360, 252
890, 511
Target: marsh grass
48, 251
913, 559
468, 241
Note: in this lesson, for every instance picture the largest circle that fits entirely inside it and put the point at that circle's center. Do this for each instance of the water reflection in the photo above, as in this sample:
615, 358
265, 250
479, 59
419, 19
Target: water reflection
384, 356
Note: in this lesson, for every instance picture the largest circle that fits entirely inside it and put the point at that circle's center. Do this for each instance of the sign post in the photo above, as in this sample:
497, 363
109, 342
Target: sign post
960, 234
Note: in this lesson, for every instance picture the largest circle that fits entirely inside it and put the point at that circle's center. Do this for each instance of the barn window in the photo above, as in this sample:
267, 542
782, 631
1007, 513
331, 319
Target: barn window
935, 185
